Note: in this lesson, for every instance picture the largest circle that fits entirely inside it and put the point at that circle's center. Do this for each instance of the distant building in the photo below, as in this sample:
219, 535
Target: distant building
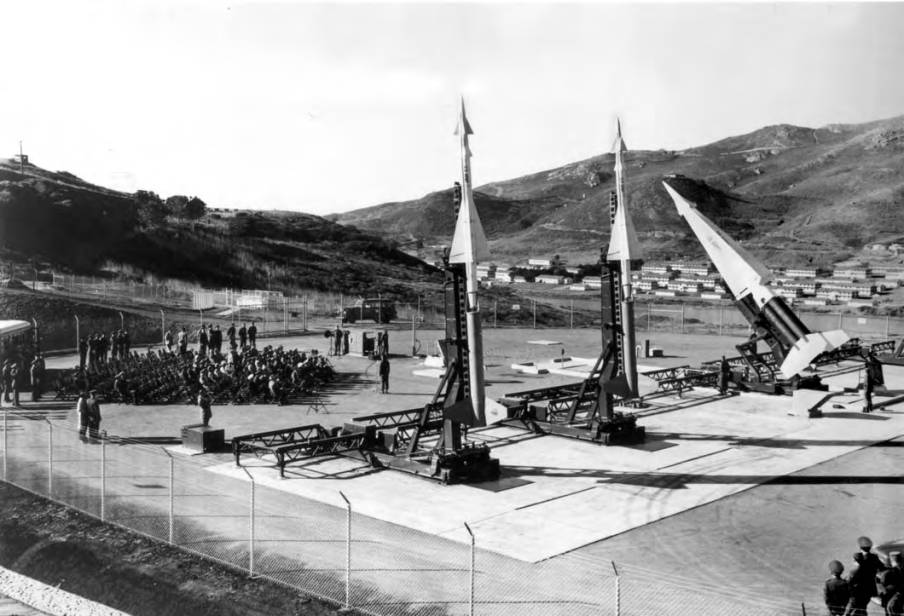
805, 272
593, 282
549, 279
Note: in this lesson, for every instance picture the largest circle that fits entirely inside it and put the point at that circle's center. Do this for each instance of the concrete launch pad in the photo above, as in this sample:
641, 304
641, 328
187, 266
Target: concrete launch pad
558, 494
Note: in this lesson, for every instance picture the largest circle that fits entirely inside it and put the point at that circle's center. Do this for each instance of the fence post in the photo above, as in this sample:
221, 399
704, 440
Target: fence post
720, 317
886, 327
649, 312
471, 584
103, 480
571, 316
162, 326
285, 315
534, 307
348, 551
682, 318
617, 590
494, 314
78, 336
803, 609
5, 440
49, 458
250, 527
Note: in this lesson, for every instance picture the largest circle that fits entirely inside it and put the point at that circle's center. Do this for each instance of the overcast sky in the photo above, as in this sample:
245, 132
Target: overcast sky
330, 107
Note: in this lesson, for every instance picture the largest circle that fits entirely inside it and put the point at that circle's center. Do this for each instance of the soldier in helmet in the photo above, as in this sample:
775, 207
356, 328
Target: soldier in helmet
836, 593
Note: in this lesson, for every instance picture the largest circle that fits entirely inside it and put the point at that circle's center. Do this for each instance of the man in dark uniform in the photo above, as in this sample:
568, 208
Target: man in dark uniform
252, 335
384, 375
230, 335
862, 584
37, 377
5, 377
863, 579
93, 415
126, 342
243, 336
872, 378
836, 592
337, 341
15, 377
168, 340
724, 376
202, 341
218, 340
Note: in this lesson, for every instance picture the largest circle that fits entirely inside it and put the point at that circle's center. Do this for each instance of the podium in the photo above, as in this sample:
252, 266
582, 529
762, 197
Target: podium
203, 438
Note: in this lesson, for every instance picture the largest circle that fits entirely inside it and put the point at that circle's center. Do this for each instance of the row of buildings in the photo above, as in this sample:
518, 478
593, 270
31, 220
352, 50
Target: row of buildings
854, 285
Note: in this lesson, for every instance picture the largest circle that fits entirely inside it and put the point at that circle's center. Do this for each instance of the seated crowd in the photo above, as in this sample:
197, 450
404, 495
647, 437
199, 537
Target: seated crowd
268, 375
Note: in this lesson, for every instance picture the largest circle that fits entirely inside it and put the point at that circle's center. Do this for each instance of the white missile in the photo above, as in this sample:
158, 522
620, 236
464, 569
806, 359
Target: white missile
747, 279
623, 249
469, 246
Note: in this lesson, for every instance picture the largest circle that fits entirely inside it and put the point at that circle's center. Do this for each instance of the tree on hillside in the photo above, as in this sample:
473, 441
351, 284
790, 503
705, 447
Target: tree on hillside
185, 207
151, 209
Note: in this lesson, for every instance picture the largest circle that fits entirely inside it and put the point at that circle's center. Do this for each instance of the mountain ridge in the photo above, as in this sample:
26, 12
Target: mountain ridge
798, 194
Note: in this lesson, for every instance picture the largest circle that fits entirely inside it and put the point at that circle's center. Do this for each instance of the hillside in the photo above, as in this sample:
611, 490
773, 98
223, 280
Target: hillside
57, 220
794, 195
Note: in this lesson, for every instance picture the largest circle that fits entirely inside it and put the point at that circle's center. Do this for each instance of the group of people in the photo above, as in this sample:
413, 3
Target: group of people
869, 577
210, 339
97, 348
17, 373
165, 377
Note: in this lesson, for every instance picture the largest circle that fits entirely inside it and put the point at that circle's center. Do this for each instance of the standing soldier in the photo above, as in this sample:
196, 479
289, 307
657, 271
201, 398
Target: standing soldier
243, 336
37, 377
724, 376
15, 377
218, 340
337, 341
183, 341
230, 335
126, 342
872, 378
93, 415
6, 382
862, 584
168, 340
252, 335
345, 336
384, 375
204, 404
81, 409
836, 592
114, 340
202, 341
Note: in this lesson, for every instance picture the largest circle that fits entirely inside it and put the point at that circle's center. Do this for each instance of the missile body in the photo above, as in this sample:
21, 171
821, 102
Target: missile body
747, 279
469, 246
623, 249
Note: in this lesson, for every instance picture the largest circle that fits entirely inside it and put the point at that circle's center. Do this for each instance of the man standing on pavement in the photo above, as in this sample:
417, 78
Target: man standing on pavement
204, 404
37, 377
202, 341
93, 415
81, 409
384, 375
724, 376
836, 592
243, 336
252, 335
872, 378
230, 335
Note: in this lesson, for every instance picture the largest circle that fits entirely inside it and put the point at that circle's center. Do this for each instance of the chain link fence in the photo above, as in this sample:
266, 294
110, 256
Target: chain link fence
329, 551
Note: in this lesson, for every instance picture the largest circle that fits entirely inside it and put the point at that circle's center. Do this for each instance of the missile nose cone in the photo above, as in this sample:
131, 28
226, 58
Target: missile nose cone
682, 204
